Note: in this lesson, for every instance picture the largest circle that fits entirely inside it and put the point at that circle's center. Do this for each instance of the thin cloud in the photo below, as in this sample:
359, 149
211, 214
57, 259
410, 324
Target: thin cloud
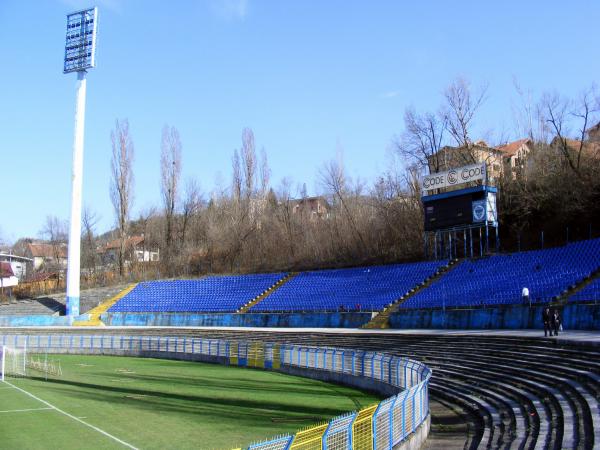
390, 94
230, 9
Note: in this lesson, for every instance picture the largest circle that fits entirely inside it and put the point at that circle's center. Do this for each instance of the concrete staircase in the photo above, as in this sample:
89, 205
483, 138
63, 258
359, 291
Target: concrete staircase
579, 286
244, 309
95, 313
382, 319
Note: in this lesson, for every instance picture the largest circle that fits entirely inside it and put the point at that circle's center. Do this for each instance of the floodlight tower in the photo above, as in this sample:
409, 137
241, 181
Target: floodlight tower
80, 55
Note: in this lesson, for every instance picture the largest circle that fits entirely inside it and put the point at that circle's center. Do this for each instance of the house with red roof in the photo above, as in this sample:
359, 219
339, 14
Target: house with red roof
45, 255
514, 156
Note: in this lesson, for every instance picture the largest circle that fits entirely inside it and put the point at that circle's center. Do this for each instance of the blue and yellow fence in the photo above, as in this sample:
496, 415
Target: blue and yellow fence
378, 427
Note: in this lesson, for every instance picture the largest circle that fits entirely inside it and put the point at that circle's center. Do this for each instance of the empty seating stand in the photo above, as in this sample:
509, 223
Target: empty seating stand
356, 289
589, 293
489, 281
499, 279
210, 294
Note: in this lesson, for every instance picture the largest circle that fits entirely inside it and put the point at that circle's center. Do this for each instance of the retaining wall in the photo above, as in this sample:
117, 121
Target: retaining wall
34, 321
285, 320
575, 316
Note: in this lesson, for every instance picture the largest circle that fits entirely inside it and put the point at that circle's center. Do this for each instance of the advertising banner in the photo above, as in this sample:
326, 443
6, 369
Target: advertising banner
454, 177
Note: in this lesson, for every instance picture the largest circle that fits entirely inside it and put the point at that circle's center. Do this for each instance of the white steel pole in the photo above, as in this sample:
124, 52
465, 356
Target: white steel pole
3, 363
73, 263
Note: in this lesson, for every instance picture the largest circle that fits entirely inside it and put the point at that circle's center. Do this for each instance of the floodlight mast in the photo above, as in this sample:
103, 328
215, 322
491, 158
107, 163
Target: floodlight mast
80, 50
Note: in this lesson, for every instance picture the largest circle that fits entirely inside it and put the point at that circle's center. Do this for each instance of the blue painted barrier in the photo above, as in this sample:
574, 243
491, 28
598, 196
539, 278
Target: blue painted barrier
575, 316
33, 321
291, 320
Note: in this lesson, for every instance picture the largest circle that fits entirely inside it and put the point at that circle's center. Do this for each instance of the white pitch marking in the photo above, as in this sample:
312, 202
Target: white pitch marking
73, 417
24, 410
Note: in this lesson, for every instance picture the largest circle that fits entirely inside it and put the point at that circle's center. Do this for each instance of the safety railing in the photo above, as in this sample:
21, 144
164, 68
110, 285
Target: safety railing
378, 427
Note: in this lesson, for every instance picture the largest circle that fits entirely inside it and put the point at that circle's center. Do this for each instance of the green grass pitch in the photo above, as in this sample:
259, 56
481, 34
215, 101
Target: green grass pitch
162, 404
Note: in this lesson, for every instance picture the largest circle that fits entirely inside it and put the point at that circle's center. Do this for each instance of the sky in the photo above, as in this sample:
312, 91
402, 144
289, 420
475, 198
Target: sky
311, 78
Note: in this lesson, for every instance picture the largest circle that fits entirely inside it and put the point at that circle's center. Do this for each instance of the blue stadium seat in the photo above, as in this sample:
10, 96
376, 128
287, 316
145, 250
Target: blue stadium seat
362, 288
591, 292
210, 294
499, 279
493, 280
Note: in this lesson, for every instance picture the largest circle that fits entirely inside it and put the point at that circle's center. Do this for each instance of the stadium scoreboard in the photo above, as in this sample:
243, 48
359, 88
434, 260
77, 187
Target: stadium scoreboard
464, 207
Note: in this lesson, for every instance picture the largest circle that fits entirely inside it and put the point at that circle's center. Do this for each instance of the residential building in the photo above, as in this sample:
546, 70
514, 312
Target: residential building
135, 250
17, 263
508, 158
589, 149
514, 156
47, 256
7, 279
448, 158
312, 207
594, 133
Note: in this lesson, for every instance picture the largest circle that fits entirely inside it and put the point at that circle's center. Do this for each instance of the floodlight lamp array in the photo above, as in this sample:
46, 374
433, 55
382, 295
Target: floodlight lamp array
80, 44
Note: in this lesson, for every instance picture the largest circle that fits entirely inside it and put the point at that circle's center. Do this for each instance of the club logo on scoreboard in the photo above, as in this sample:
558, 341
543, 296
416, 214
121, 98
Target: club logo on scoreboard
452, 177
479, 211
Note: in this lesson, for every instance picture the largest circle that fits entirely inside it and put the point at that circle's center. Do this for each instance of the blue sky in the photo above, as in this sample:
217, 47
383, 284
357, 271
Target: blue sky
308, 77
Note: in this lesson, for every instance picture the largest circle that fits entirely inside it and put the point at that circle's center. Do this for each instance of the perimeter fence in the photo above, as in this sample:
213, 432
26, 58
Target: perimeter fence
378, 427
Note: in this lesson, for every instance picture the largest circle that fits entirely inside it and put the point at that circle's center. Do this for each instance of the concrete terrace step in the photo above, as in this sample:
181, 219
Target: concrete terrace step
42, 306
571, 406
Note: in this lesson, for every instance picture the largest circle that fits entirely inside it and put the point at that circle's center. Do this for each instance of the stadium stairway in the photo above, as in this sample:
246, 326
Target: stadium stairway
382, 319
244, 309
580, 286
94, 313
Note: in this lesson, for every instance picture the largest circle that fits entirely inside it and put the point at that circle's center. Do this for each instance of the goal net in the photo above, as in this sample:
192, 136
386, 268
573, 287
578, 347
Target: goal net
13, 362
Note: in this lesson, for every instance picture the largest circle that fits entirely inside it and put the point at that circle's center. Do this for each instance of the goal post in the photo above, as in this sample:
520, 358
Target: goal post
13, 362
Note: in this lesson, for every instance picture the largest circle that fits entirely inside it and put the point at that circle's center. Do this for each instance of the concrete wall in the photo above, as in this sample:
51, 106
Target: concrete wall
288, 320
33, 321
579, 316
362, 383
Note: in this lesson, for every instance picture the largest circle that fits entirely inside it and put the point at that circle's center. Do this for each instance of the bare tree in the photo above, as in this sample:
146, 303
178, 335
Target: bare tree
284, 215
422, 139
89, 255
248, 157
191, 206
144, 222
460, 109
121, 185
55, 232
170, 172
560, 113
264, 173
236, 176
334, 180
529, 116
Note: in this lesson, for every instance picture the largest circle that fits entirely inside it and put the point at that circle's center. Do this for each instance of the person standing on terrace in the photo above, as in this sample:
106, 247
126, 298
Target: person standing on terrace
546, 318
525, 296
